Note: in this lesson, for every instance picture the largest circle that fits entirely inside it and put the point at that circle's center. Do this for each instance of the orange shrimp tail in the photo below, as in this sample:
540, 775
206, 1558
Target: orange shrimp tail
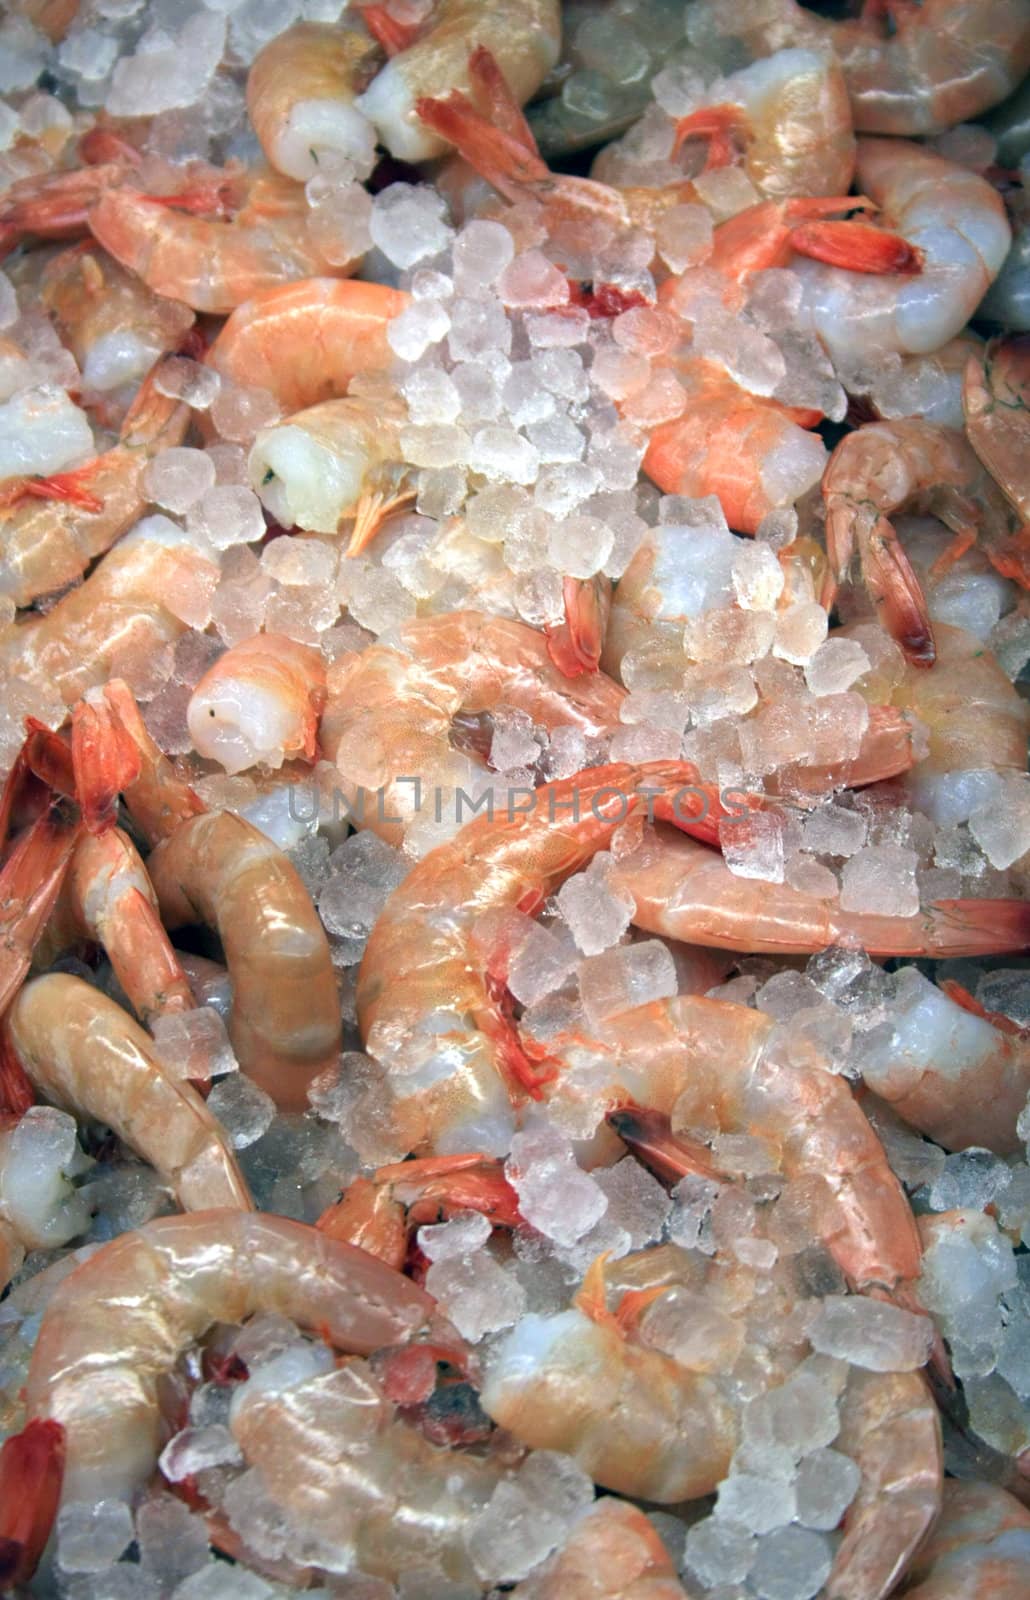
719, 125
575, 645
29, 885
498, 156
368, 1216
493, 98
897, 592
592, 1296
669, 1156
102, 144
67, 486
44, 762
372, 511
16, 1091
394, 36
31, 1473
106, 759
857, 246
1012, 559
456, 1183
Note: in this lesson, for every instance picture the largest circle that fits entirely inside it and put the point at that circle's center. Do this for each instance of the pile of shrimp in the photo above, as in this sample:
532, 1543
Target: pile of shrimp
514, 828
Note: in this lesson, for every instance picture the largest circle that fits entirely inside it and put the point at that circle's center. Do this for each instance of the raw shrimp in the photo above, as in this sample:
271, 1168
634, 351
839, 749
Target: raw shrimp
87, 1056
332, 327
115, 327
909, 70
1008, 299
958, 1076
682, 890
979, 1549
54, 17
48, 543
523, 35
134, 602
954, 223
116, 1327
40, 1208
107, 897
613, 1553
212, 265
30, 883
996, 398
260, 702
301, 90
216, 868
790, 114
884, 467
333, 461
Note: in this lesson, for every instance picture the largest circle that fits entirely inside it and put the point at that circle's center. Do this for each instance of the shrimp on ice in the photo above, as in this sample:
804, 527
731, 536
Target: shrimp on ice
301, 90
49, 542
613, 1553
524, 36
334, 327
87, 1056
884, 467
979, 1549
214, 867
30, 883
260, 702
996, 399
210, 264
912, 70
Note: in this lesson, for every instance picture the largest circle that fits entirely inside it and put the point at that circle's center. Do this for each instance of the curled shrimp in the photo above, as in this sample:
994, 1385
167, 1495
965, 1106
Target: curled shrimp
87, 1055
260, 701
335, 327
979, 1549
30, 883
135, 601
49, 542
936, 64
996, 400
955, 226
115, 1328
523, 35
613, 1553
876, 472
301, 89
210, 264
216, 868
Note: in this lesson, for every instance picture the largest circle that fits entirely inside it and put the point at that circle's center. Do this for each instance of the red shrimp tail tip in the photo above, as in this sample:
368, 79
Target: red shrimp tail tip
106, 760
394, 36
31, 1473
575, 645
69, 487
858, 247
492, 95
721, 125
498, 156
897, 592
670, 1156
371, 512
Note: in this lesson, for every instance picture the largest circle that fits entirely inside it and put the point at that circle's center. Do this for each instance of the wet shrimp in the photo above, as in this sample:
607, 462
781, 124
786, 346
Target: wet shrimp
212, 265
335, 327
214, 867
301, 89
115, 1328
979, 1549
86, 1055
613, 1553
887, 466
30, 883
260, 702
49, 542
996, 400
916, 70
523, 35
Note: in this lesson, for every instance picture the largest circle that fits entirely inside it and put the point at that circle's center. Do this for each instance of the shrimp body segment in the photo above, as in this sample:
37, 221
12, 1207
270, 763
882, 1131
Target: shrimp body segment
523, 35
87, 1055
285, 1021
979, 1550
116, 1327
996, 401
326, 463
332, 327
261, 701
300, 97
613, 1553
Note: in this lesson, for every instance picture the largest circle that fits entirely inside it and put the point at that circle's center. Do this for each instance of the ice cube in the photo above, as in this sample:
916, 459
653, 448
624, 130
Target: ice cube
419, 325
477, 1294
872, 1334
504, 455
596, 916
555, 1196
790, 1564
827, 1483
760, 1504
880, 880
624, 977
833, 830
637, 1203
579, 545
172, 1539
835, 666
176, 479
528, 1517
244, 1110
757, 577
408, 223
92, 1535
193, 1450
193, 1044
719, 1552
1002, 826
532, 283
482, 251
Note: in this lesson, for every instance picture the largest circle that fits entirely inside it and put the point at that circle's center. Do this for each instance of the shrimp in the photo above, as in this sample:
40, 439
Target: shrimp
30, 883
955, 226
216, 868
524, 35
54, 17
936, 64
979, 1549
260, 701
135, 601
87, 1056
212, 265
48, 543
878, 470
789, 112
613, 1553
333, 461
115, 327
301, 90
683, 891
335, 328
115, 1328
1008, 299
996, 400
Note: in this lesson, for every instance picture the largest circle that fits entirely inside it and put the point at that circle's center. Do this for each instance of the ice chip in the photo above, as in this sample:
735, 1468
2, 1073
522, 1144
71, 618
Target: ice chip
872, 1334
